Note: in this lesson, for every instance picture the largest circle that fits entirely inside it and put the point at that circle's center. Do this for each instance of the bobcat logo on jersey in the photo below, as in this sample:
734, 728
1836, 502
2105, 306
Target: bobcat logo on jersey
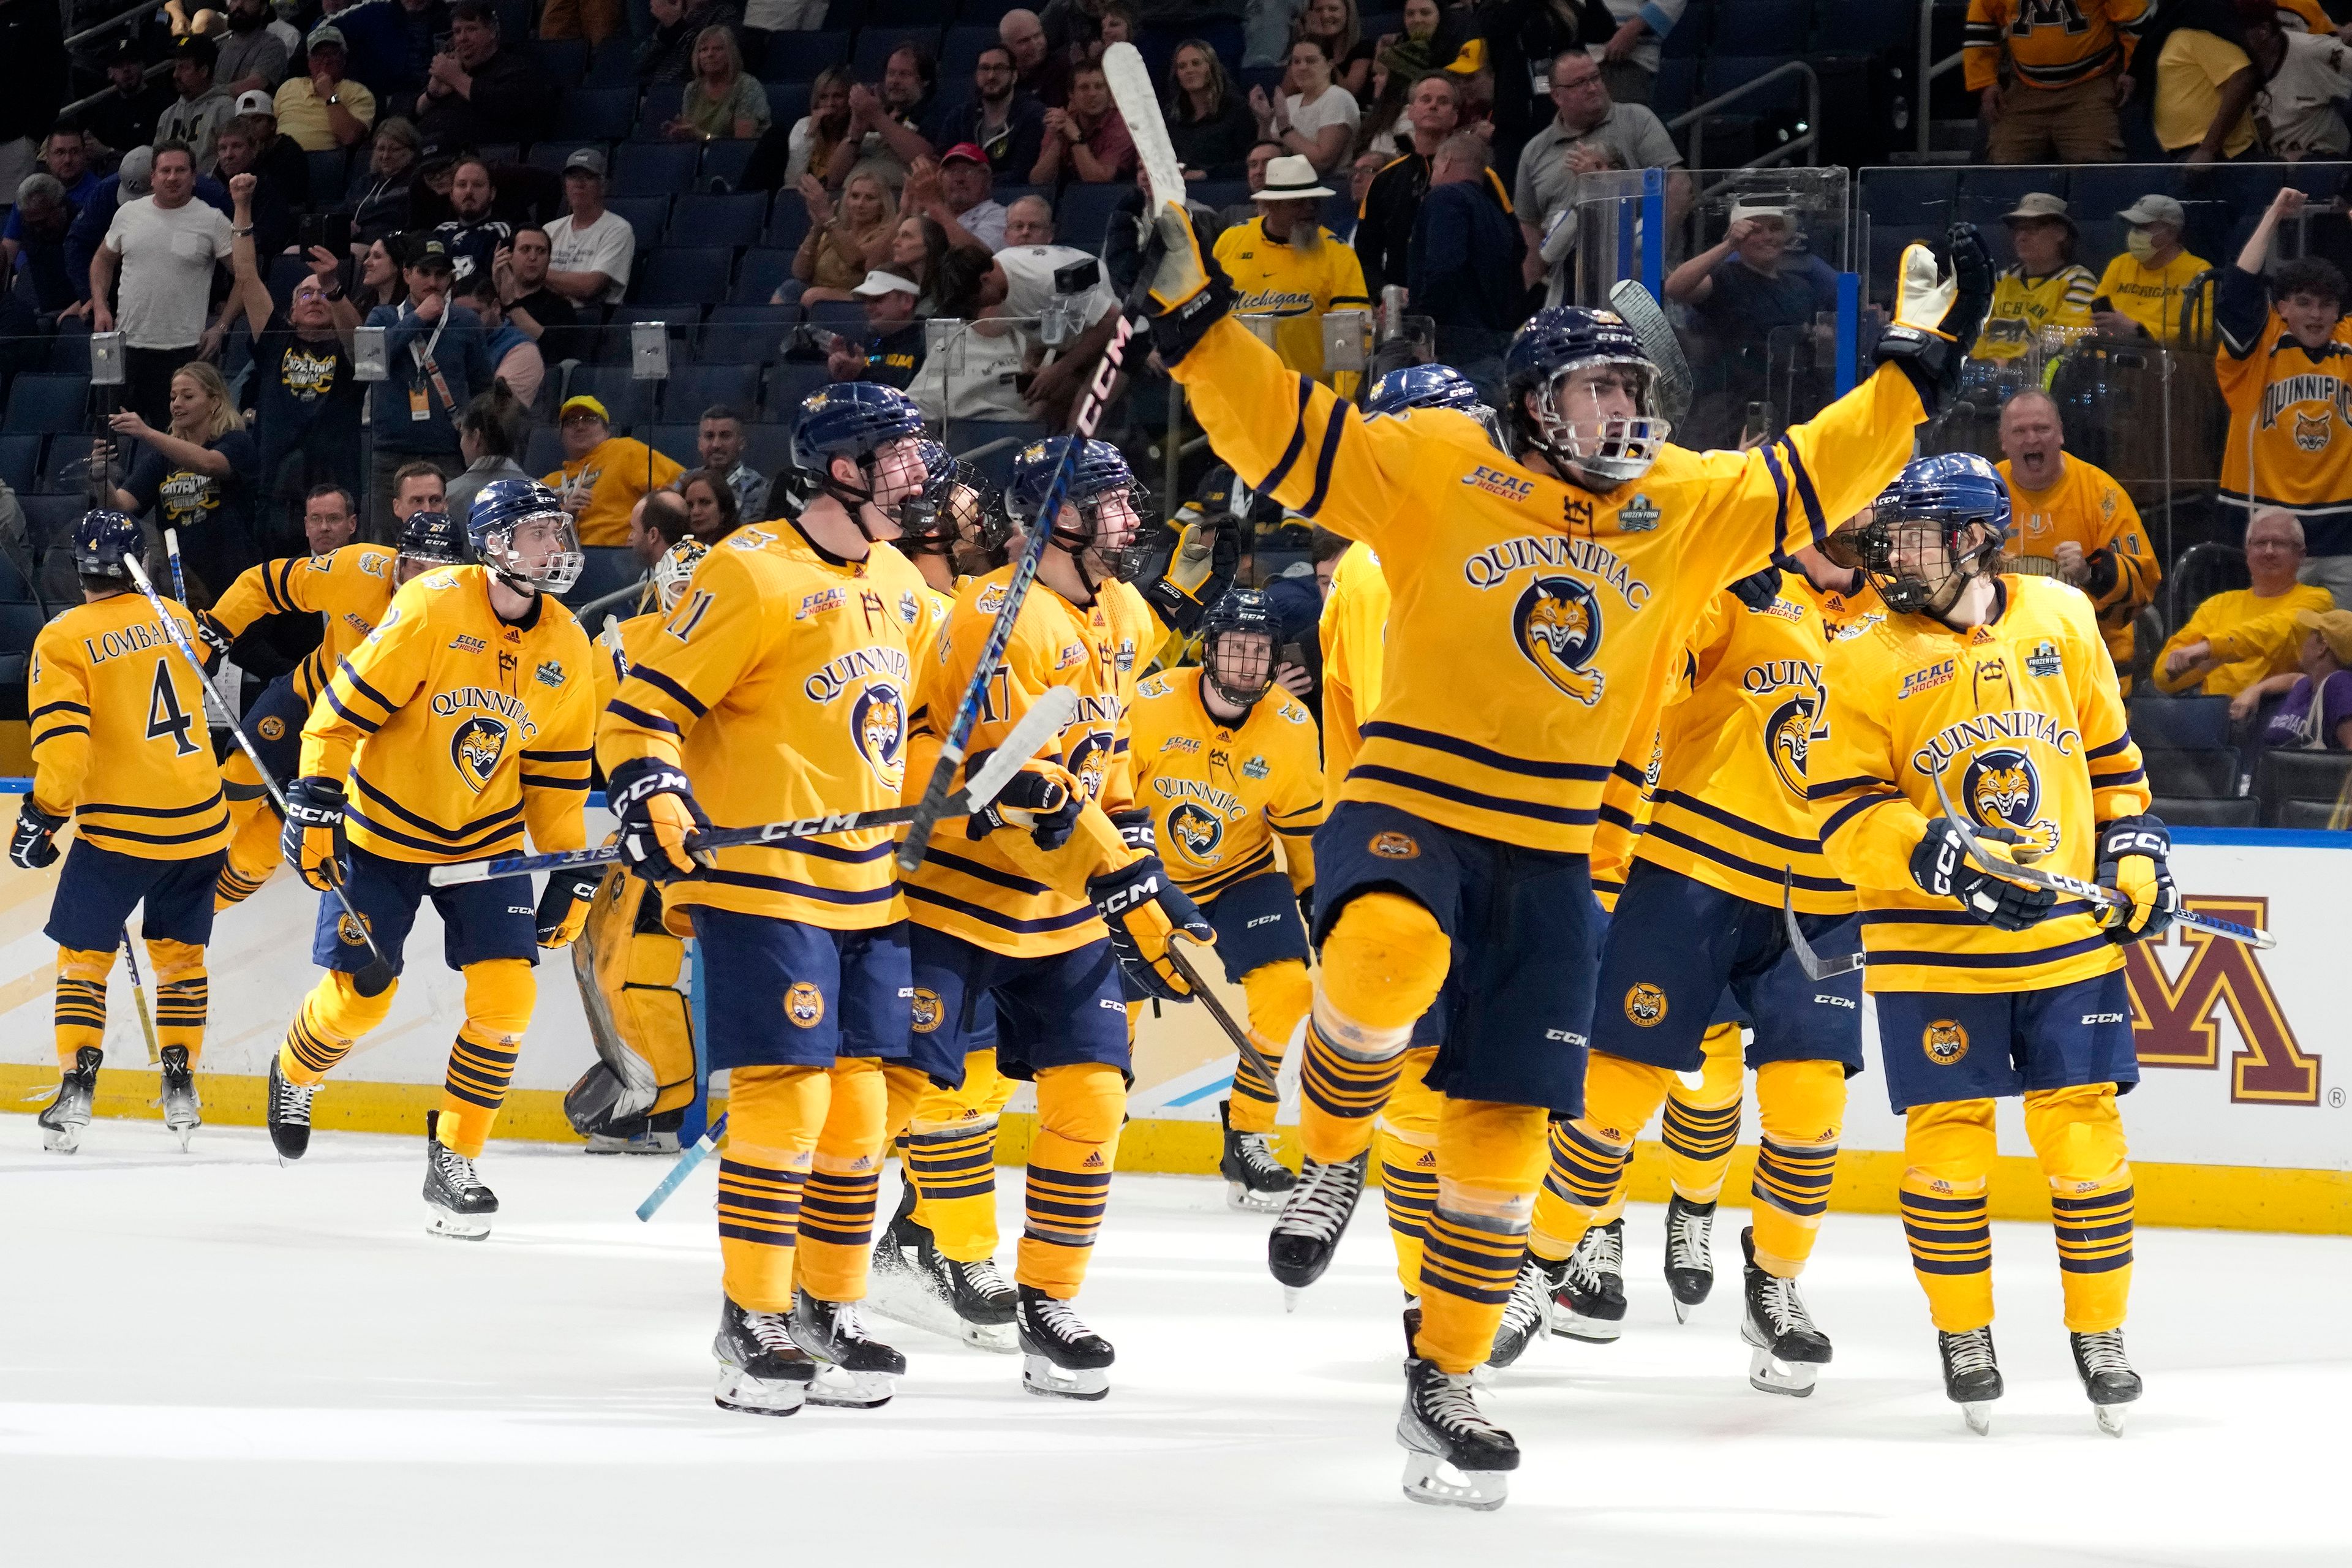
878, 720
352, 932
1195, 831
1945, 1041
927, 1010
476, 748
1091, 761
1394, 846
2004, 789
272, 727
2311, 431
1786, 735
1558, 624
804, 1004
1645, 1006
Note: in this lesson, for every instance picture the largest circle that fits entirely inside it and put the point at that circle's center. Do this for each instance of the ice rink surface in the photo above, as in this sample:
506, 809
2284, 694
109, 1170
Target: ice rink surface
206, 1359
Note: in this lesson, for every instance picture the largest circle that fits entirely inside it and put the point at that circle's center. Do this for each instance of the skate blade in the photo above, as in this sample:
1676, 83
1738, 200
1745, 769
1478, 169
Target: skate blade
903, 1294
1430, 1479
1682, 1309
997, 1339
1978, 1414
741, 1392
1568, 1325
61, 1140
2111, 1418
1290, 1294
1768, 1374
184, 1134
439, 1221
1039, 1375
842, 1389
1240, 1198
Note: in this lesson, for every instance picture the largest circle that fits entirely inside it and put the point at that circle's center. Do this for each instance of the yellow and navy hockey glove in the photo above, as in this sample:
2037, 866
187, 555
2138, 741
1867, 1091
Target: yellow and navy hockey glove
1188, 292
564, 906
658, 816
1941, 867
2134, 852
1142, 908
1200, 569
1041, 800
1937, 318
33, 843
312, 838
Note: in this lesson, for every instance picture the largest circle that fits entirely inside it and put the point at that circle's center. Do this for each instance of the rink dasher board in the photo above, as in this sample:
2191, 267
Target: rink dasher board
2246, 1057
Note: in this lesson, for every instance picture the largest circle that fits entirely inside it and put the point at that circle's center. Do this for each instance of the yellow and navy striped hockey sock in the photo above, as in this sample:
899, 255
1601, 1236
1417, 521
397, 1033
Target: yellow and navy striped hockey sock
2077, 1133
182, 996
1080, 1108
1701, 1125
1589, 1155
1405, 1148
79, 1016
1947, 1152
1278, 995
1339, 1093
1384, 959
473, 1089
774, 1117
1802, 1107
253, 852
1490, 1158
844, 1183
953, 1171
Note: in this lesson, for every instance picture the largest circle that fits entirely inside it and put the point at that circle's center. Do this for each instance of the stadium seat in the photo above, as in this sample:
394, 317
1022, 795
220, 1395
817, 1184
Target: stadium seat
663, 101
20, 459
1722, 72
14, 590
768, 447
41, 404
615, 65
2311, 777
841, 315
974, 13
692, 388
706, 220
608, 567
746, 334
627, 401
684, 275
2186, 811
543, 453
2181, 723
1761, 28
597, 113
1864, 26
2208, 773
19, 625
788, 102
50, 519
1988, 192
960, 50
800, 56
65, 463
724, 161
876, 45
1687, 37
613, 344
1909, 196
991, 445
757, 280
330, 173
565, 59
69, 354
654, 168
676, 442
647, 215
1677, 88
788, 222
1082, 215
787, 384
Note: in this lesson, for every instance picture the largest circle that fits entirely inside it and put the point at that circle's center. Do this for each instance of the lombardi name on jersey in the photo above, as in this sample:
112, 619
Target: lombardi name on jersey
135, 638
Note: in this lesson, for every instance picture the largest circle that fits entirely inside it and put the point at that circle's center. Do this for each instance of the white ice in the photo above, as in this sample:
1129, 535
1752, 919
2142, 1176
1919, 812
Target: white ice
207, 1359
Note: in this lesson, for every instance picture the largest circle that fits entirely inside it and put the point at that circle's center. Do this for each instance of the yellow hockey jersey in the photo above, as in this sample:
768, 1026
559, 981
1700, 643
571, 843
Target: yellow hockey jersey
1219, 799
1354, 631
348, 589
2025, 715
2248, 638
1535, 623
781, 684
1735, 742
1273, 278
2087, 507
994, 892
460, 730
2290, 440
612, 658
116, 721
2022, 306
2050, 43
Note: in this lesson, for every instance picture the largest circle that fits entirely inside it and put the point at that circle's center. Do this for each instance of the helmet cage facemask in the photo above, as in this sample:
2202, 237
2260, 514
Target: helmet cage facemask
1905, 592
870, 468
555, 574
1622, 448
1255, 671
1118, 562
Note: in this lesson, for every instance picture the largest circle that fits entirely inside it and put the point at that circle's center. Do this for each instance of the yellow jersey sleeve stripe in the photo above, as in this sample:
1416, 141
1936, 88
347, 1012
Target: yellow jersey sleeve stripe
1696, 807
1664, 834
61, 706
1335, 422
58, 734
753, 879
365, 726
1209, 886
1567, 817
541, 781
984, 916
584, 754
636, 715
1289, 459
1469, 750
1854, 808
1803, 482
1009, 881
670, 688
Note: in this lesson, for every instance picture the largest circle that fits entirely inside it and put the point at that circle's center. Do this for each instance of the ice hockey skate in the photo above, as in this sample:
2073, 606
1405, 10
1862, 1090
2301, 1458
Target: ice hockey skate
1454, 1457
914, 1284
1971, 1375
2107, 1377
1588, 1299
1061, 1357
1690, 1253
69, 1113
1527, 1316
1314, 1215
853, 1371
1788, 1350
456, 1203
183, 1113
1255, 1180
761, 1372
289, 1115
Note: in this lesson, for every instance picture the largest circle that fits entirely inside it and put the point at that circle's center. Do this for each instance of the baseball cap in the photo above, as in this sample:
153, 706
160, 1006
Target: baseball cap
581, 402
2155, 209
1759, 211
326, 33
197, 48
421, 249
2335, 626
138, 171
588, 160
2039, 204
880, 283
965, 153
257, 102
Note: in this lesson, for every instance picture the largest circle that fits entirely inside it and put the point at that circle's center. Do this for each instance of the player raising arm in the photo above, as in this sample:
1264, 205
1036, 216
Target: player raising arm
2002, 686
1568, 576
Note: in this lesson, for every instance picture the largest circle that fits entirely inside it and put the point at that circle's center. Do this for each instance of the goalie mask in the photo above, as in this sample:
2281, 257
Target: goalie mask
1940, 524
1432, 386
1237, 642
675, 570
877, 428
1601, 429
520, 530
1101, 490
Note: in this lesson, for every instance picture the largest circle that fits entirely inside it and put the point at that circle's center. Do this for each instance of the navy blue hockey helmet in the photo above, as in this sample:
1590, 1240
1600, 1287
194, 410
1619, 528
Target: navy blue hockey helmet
1099, 480
104, 540
852, 419
430, 540
959, 505
1556, 342
502, 510
1240, 675
1933, 500
1432, 386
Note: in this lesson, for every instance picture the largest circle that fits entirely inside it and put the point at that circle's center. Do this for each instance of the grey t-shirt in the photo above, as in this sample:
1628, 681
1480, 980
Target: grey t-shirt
1633, 136
166, 276
258, 53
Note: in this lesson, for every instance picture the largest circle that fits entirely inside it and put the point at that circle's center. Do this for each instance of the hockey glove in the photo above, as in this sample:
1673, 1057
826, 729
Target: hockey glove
1941, 867
564, 906
1188, 292
1936, 319
1134, 831
212, 637
658, 816
2133, 855
1758, 590
1142, 907
1041, 800
1306, 910
33, 843
1199, 572
312, 838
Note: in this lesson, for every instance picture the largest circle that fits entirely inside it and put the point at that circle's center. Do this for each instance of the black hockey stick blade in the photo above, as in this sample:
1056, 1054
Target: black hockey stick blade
1217, 1009
1815, 966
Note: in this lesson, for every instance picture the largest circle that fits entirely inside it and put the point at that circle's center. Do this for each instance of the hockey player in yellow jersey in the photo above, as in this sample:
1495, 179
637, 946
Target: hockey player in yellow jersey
781, 688
1024, 934
1228, 768
1696, 943
461, 720
1568, 577
348, 590
626, 960
118, 749
2000, 685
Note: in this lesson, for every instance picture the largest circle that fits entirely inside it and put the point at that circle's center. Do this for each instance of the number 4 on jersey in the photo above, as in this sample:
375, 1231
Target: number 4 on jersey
165, 714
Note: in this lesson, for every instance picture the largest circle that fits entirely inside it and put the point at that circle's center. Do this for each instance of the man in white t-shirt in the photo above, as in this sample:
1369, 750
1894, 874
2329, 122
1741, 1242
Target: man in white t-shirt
593, 248
163, 247
2304, 76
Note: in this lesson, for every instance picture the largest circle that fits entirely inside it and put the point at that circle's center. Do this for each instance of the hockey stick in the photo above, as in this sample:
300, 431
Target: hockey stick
1124, 68
687, 1162
139, 996
1047, 718
1649, 322
370, 981
1233, 1031
1815, 966
2104, 897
